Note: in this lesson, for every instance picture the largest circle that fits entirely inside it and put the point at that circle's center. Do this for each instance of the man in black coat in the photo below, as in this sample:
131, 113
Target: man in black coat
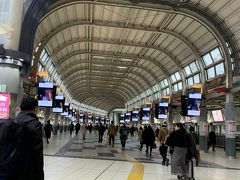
48, 129
32, 157
212, 140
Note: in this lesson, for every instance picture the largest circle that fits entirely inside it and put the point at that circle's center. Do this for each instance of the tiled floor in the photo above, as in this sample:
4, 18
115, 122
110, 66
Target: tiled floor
70, 158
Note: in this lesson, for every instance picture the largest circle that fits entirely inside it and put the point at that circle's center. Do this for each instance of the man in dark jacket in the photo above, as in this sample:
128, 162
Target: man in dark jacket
101, 130
48, 129
77, 128
212, 140
32, 158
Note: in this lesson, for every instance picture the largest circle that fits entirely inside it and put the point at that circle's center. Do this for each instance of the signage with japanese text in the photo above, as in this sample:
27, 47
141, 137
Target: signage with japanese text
231, 127
4, 105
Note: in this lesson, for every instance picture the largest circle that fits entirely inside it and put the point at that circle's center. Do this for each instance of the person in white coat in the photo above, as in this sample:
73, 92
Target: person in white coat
83, 130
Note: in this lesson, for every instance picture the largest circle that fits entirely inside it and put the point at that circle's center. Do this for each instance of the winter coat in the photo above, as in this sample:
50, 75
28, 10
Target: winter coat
148, 136
32, 162
112, 130
83, 129
77, 127
48, 129
123, 133
163, 134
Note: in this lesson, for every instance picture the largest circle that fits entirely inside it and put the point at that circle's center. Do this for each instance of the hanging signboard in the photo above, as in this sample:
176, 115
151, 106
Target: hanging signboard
4, 105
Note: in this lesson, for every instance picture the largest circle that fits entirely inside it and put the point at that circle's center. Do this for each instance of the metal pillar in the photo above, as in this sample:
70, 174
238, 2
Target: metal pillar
170, 118
65, 124
203, 126
61, 124
47, 115
55, 124
230, 127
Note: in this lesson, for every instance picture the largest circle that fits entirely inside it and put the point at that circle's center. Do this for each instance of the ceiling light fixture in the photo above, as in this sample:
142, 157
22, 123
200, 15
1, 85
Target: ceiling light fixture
121, 67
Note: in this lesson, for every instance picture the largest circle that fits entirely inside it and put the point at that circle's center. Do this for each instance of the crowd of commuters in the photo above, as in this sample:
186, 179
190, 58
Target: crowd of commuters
182, 144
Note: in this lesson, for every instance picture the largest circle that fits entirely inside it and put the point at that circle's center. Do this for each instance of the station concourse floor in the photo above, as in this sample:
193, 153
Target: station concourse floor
70, 158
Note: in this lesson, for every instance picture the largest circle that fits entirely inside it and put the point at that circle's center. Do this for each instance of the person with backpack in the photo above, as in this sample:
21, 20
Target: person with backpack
162, 137
21, 145
48, 129
123, 135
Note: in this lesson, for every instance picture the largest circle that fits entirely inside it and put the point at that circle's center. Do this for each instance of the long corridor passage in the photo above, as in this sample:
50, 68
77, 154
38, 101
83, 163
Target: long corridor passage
71, 158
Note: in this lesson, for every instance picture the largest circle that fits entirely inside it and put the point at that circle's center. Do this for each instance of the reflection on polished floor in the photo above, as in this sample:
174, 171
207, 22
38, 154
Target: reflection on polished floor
71, 158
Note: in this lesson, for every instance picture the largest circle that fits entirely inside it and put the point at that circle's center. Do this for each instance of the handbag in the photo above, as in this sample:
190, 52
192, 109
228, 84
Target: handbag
154, 146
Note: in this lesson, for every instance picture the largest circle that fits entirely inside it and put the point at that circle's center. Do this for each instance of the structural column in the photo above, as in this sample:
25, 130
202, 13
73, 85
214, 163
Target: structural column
230, 127
170, 118
61, 124
203, 126
65, 125
47, 115
55, 124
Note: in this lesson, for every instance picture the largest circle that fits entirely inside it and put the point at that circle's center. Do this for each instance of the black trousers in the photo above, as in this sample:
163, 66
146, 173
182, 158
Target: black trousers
163, 151
100, 137
111, 140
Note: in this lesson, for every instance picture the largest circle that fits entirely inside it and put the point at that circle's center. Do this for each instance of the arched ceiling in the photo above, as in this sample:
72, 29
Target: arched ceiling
107, 52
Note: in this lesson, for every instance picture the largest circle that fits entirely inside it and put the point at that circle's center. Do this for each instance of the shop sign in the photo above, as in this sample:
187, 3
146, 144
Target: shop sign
4, 105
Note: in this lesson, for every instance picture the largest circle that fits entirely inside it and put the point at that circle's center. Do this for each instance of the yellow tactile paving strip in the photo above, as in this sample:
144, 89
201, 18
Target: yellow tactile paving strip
138, 168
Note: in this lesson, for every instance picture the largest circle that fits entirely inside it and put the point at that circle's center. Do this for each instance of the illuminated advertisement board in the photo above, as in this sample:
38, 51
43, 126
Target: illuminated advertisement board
4, 105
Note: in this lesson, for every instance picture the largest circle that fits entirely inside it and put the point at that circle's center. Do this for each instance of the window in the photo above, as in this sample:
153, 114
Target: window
219, 69
211, 73
213, 56
193, 67
196, 78
207, 59
175, 77
44, 57
187, 70
216, 55
165, 92
177, 86
164, 83
190, 81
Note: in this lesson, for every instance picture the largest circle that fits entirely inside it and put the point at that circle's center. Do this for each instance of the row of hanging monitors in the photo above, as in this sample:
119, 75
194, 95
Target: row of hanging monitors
49, 98
190, 106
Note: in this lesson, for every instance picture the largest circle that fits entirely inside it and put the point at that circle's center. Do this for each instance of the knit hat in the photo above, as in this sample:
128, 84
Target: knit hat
164, 124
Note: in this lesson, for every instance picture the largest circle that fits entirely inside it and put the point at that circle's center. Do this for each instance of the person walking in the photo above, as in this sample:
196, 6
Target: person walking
112, 133
140, 131
212, 140
48, 130
90, 127
30, 160
162, 137
101, 130
148, 138
83, 130
123, 135
71, 128
132, 129
179, 141
77, 128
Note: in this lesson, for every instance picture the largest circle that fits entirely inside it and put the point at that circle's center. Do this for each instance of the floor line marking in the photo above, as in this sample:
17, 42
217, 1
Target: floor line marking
137, 171
105, 170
